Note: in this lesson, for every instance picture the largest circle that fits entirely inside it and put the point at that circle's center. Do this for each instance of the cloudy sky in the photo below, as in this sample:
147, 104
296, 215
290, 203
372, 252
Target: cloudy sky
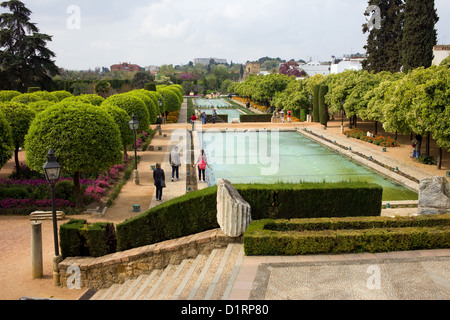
88, 34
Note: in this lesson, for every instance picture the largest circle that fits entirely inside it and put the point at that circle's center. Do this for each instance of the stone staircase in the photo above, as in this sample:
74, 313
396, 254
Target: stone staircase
204, 278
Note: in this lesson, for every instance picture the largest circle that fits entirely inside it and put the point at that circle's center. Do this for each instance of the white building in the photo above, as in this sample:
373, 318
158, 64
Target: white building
315, 67
346, 65
440, 53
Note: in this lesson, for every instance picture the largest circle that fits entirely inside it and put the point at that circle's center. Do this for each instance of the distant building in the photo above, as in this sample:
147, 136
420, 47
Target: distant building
152, 68
251, 68
205, 61
349, 62
315, 67
125, 67
440, 53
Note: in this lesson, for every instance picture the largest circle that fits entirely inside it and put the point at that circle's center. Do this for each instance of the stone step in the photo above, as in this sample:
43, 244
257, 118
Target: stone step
203, 278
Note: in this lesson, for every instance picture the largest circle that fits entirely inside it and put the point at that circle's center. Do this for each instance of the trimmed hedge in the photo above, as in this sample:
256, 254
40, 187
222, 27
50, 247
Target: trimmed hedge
312, 200
433, 235
80, 239
255, 118
192, 213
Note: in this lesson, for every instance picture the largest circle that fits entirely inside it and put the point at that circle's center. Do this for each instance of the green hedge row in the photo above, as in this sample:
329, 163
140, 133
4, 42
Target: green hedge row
79, 239
255, 118
259, 241
197, 211
312, 200
356, 223
192, 213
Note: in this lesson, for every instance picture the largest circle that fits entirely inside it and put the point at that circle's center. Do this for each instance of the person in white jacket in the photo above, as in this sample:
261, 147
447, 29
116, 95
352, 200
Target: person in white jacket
175, 162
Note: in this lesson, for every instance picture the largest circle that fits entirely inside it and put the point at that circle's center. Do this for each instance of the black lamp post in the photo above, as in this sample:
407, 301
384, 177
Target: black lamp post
52, 171
342, 113
134, 125
158, 126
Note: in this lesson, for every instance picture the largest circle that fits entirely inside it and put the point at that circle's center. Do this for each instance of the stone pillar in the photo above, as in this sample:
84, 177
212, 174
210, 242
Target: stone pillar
233, 212
434, 196
36, 250
56, 261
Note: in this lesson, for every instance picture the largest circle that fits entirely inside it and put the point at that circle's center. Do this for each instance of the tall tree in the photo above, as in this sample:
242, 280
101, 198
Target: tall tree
24, 58
383, 46
419, 34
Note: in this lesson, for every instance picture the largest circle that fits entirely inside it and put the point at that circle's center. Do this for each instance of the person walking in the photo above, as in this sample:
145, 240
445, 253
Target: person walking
282, 115
204, 117
175, 162
214, 115
416, 144
289, 116
159, 178
202, 164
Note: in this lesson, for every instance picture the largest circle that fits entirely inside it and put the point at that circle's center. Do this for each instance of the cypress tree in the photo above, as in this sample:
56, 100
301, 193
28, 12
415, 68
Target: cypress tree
419, 34
383, 46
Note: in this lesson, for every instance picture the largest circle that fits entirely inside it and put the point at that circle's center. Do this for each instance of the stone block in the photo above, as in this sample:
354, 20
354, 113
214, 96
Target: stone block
233, 212
434, 196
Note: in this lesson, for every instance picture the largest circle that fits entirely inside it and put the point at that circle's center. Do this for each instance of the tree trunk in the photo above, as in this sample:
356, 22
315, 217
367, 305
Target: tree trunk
396, 135
439, 162
428, 145
376, 127
77, 190
125, 153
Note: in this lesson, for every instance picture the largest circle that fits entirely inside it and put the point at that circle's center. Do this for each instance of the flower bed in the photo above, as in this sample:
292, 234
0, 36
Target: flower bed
375, 139
172, 117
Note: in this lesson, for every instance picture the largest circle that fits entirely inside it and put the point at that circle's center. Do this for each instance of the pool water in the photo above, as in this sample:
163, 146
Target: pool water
265, 157
232, 113
207, 105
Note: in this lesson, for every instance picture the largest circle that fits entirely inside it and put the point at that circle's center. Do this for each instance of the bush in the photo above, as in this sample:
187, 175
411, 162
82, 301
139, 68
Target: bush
14, 193
312, 200
171, 99
334, 237
192, 213
33, 89
132, 105
8, 95
150, 86
64, 190
80, 239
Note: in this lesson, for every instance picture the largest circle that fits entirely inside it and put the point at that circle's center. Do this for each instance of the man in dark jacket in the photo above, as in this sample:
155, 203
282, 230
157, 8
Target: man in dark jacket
160, 181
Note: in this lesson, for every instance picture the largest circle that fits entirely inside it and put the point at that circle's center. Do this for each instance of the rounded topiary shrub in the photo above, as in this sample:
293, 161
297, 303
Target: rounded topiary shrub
132, 105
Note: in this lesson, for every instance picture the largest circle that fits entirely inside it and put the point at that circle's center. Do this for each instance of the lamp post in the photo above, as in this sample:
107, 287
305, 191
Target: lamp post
310, 106
342, 113
159, 117
134, 125
52, 171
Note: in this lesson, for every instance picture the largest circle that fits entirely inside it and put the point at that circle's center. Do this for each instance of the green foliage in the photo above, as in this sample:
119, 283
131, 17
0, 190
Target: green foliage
65, 190
61, 95
84, 138
172, 102
40, 106
344, 235
323, 108
419, 34
26, 98
19, 117
93, 99
102, 88
165, 222
8, 95
80, 239
307, 200
14, 193
149, 103
132, 105
316, 110
25, 59
121, 118
444, 63
6, 141
150, 86
33, 89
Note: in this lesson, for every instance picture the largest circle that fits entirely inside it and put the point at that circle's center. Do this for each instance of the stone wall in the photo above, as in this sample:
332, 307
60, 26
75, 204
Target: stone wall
100, 273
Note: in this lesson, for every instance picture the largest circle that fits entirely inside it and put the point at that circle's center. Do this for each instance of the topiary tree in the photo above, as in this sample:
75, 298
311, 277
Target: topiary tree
323, 109
85, 139
40, 106
8, 95
6, 142
171, 99
19, 117
61, 95
102, 88
132, 105
93, 99
316, 111
26, 98
121, 118
148, 103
